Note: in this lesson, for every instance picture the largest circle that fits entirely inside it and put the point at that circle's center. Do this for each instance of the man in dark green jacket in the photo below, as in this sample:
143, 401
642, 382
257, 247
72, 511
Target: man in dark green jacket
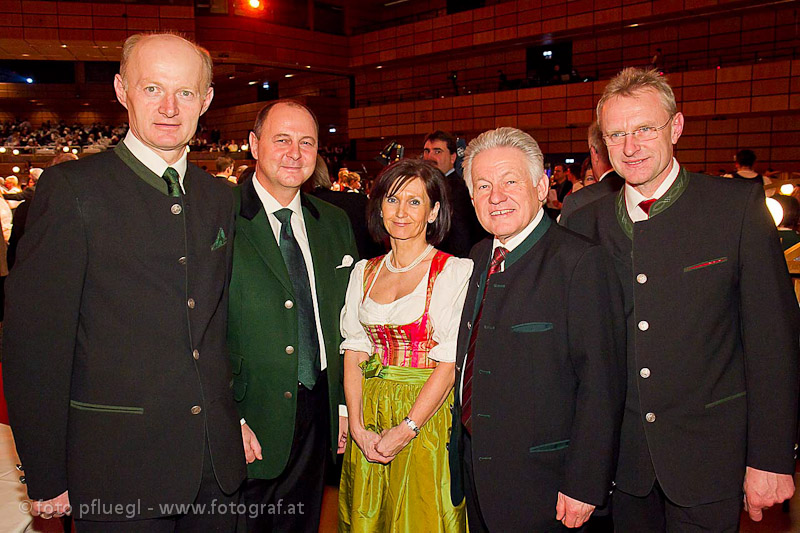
292, 259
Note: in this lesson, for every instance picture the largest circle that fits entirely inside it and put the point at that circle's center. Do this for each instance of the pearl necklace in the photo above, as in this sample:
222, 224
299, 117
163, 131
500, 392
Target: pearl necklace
399, 270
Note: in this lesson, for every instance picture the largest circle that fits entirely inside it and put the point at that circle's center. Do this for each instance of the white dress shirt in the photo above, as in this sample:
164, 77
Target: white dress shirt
299, 229
633, 197
152, 160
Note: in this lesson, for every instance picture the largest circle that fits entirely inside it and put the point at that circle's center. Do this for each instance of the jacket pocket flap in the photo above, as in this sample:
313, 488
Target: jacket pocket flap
550, 446
705, 264
103, 408
532, 327
726, 399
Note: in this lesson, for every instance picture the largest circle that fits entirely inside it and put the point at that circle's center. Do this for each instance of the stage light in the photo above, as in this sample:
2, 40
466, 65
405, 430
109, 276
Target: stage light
569, 161
15, 169
332, 129
15, 151
255, 4
776, 210
787, 189
29, 80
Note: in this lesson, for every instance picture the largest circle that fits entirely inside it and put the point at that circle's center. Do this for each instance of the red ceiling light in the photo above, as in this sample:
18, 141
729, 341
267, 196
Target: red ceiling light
255, 4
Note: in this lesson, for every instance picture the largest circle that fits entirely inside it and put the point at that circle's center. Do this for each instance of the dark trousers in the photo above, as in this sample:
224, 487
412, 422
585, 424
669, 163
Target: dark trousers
292, 502
214, 511
654, 513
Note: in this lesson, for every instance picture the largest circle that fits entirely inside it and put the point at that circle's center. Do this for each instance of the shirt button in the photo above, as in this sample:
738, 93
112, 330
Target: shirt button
645, 372
287, 395
641, 278
643, 325
181, 260
650, 417
196, 410
288, 304
176, 209
190, 303
196, 354
290, 350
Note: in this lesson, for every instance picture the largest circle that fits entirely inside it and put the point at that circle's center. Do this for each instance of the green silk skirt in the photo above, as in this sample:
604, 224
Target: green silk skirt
411, 494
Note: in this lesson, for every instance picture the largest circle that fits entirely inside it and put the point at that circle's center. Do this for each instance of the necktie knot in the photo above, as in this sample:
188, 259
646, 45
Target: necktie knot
498, 257
173, 184
283, 215
645, 205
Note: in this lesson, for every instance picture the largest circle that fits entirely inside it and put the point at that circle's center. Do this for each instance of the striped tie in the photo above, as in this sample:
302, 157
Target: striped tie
466, 393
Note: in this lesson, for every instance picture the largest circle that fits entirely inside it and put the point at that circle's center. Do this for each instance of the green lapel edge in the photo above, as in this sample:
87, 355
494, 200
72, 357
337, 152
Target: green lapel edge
147, 175
661, 205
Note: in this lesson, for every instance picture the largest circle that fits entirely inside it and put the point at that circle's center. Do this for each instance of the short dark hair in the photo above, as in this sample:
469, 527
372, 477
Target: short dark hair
445, 137
264, 113
746, 158
575, 169
392, 179
224, 163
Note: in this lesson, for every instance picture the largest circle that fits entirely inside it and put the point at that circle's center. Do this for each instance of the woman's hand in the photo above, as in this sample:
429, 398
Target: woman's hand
394, 440
367, 442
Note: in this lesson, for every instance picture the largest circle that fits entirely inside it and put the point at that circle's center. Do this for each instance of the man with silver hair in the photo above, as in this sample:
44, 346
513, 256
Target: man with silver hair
539, 386
712, 326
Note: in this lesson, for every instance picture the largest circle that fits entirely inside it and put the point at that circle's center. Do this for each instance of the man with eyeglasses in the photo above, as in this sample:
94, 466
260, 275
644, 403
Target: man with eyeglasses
712, 323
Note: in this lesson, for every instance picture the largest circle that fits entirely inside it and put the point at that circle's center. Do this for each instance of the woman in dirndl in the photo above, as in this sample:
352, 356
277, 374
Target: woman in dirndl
400, 326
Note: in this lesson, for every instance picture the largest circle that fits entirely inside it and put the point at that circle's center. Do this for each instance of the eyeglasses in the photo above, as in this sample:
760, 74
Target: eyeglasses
645, 133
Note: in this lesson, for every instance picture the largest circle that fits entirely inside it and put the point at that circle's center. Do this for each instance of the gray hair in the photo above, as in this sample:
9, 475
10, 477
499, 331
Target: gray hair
595, 137
634, 80
130, 43
505, 138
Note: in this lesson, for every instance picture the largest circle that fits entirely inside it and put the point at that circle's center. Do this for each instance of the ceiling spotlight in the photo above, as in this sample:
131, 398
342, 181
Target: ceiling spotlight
63, 46
332, 129
26, 55
14, 169
29, 80
231, 76
288, 76
787, 189
252, 82
379, 66
308, 66
15, 151
265, 86
255, 4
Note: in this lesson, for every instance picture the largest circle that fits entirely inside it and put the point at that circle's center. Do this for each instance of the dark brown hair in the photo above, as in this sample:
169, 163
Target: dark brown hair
392, 179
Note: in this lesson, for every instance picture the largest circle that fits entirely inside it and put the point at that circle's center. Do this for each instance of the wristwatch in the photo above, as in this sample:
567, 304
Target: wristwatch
410, 423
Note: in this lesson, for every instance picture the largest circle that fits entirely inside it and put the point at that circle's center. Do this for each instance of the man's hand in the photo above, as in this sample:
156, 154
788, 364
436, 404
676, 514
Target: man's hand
764, 489
57, 507
572, 513
343, 425
252, 448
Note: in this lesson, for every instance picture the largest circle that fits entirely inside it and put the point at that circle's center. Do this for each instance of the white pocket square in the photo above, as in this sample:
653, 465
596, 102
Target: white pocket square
347, 261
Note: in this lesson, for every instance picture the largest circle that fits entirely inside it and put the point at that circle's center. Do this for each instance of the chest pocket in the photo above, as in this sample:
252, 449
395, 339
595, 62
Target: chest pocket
532, 327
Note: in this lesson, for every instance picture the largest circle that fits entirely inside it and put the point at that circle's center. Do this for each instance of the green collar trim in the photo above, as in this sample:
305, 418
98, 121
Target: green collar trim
661, 205
149, 177
528, 243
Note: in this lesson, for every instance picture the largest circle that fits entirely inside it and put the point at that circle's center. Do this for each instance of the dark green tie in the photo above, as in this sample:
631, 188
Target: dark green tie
308, 364
173, 185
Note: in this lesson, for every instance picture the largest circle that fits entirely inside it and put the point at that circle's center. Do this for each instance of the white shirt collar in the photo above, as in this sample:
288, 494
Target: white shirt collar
520, 237
152, 160
450, 171
633, 197
271, 204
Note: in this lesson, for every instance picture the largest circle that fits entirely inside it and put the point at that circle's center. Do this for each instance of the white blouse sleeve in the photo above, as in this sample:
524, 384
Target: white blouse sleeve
355, 338
447, 301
